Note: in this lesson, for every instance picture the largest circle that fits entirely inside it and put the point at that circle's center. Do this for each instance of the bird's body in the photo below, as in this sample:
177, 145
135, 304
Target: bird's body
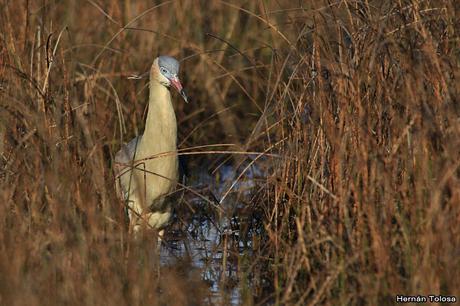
147, 167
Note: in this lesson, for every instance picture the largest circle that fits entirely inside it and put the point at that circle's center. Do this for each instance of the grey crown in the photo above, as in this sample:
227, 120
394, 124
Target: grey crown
170, 64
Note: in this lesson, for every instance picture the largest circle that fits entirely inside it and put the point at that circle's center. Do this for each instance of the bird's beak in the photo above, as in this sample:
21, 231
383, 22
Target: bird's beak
178, 86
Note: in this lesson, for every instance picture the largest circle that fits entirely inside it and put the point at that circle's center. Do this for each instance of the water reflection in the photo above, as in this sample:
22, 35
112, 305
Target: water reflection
206, 234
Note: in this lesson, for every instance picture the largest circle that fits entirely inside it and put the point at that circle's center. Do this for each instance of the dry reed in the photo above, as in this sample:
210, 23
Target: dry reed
359, 98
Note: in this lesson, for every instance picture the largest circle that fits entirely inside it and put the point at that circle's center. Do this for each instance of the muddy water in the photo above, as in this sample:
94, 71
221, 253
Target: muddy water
206, 231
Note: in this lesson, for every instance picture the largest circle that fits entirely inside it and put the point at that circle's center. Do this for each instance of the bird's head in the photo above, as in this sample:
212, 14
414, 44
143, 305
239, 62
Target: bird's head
165, 70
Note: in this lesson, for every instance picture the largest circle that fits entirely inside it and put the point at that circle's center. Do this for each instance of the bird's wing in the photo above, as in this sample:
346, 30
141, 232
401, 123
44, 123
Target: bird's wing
123, 157
126, 153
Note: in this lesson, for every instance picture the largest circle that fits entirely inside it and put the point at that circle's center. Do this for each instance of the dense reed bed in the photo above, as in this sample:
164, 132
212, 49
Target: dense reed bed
353, 107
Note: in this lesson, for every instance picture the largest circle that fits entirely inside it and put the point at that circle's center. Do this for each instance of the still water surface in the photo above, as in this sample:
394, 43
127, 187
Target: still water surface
207, 236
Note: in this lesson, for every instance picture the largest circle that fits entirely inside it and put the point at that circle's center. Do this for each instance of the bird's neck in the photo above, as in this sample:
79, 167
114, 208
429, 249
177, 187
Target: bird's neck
160, 134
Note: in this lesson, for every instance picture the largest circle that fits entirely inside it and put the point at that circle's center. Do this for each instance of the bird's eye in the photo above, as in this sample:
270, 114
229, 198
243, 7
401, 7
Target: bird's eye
163, 70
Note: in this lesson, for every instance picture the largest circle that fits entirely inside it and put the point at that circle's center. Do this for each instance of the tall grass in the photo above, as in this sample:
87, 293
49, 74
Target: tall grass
357, 103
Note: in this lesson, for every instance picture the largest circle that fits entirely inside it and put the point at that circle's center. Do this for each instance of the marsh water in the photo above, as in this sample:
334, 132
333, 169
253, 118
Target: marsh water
214, 230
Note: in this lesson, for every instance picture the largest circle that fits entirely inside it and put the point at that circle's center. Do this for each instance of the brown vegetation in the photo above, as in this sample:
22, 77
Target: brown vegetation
354, 103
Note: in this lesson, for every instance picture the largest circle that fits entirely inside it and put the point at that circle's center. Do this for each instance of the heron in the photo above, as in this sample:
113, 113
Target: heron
147, 168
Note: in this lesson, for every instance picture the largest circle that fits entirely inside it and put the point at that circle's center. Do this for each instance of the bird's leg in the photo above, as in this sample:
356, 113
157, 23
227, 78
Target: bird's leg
161, 234
155, 220
160, 239
135, 216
